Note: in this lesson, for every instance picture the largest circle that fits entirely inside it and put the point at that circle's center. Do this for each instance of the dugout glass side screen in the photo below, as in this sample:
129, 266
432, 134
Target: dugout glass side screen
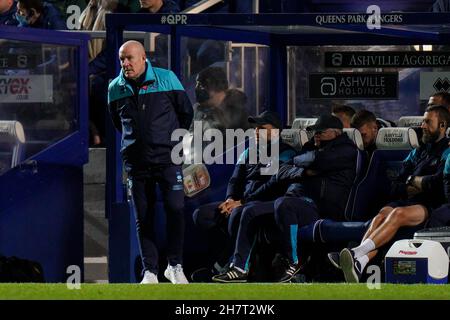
38, 89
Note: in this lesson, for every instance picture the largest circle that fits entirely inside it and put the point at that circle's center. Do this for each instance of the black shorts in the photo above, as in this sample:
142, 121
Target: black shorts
407, 203
439, 217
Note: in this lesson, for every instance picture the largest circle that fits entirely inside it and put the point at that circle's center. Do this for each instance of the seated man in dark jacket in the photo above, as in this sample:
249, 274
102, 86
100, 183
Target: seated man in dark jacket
318, 182
221, 219
440, 217
418, 190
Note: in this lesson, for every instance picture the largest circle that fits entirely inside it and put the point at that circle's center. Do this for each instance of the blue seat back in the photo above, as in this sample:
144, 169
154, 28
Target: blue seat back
361, 165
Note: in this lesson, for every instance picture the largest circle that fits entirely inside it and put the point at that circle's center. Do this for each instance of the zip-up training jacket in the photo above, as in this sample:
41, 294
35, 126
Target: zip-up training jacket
148, 117
335, 167
246, 177
427, 161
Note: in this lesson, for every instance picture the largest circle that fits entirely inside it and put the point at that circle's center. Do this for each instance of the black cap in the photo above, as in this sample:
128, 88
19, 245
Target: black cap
267, 117
326, 121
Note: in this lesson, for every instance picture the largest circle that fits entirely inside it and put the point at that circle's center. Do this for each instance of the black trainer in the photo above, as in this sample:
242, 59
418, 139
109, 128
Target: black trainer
233, 275
205, 274
334, 259
291, 270
202, 275
350, 266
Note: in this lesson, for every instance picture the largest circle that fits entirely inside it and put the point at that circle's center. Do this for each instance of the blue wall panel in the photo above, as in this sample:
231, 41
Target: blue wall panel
42, 217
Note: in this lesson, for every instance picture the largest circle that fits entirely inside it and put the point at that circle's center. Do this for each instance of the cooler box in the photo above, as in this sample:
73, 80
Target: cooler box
416, 261
439, 234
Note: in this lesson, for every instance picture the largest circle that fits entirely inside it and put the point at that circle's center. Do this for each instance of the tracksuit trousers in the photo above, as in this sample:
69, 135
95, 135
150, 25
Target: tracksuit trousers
142, 200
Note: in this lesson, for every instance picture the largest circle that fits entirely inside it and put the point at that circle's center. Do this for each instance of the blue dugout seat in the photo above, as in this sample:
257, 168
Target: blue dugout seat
414, 122
296, 138
410, 121
303, 123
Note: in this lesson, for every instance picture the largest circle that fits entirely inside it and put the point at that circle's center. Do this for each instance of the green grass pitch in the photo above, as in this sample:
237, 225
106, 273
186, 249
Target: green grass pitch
197, 291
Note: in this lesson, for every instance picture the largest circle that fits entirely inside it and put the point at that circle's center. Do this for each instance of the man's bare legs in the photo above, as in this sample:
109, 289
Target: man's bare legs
382, 230
376, 222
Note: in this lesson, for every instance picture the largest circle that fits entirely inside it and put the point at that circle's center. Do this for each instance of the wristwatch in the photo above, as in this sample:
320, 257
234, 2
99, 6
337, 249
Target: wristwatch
410, 180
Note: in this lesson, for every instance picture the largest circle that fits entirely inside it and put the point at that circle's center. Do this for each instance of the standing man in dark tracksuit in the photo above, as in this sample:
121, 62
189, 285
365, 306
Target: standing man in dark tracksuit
317, 183
221, 219
147, 104
98, 75
418, 190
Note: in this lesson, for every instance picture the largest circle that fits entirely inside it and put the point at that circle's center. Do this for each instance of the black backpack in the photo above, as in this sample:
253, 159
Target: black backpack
13, 269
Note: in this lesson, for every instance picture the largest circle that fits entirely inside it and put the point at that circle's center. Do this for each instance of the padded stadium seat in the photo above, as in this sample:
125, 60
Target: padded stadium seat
356, 137
410, 121
414, 122
12, 139
393, 146
397, 139
303, 123
296, 138
383, 123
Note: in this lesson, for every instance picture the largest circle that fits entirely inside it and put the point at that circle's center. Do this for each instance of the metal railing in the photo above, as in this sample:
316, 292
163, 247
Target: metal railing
255, 6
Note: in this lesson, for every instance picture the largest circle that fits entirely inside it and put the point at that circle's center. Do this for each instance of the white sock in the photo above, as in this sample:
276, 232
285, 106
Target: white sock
363, 261
364, 248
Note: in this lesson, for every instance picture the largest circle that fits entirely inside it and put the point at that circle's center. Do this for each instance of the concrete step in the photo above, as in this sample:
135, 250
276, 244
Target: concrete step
95, 235
94, 199
96, 269
95, 170
95, 223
